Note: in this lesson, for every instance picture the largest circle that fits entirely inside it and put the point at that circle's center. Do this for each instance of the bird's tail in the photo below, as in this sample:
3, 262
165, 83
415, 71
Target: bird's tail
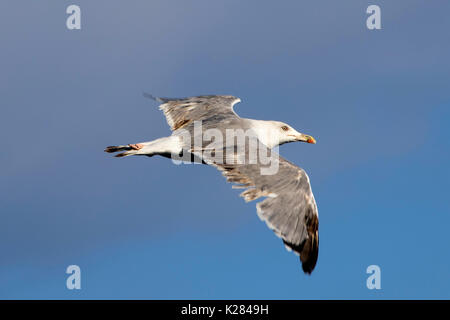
112, 149
162, 146
129, 151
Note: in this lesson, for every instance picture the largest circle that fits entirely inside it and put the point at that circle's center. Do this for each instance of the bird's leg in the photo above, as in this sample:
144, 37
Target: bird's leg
136, 146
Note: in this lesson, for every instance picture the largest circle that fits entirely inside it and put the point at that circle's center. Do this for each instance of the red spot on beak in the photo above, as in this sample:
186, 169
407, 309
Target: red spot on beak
311, 140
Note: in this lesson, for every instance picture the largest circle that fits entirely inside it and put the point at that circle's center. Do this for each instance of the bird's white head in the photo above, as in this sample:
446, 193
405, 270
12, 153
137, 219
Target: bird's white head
274, 133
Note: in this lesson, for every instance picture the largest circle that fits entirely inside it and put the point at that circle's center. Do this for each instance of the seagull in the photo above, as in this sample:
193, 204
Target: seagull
288, 208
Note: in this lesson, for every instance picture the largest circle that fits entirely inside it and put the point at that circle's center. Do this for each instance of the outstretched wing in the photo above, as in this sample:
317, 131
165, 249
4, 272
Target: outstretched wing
289, 207
180, 112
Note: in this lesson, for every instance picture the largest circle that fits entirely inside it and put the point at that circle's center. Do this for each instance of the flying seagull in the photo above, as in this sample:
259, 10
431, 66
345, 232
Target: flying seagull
288, 208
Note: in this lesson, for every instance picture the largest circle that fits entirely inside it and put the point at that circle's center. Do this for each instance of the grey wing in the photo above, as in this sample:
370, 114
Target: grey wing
180, 112
289, 207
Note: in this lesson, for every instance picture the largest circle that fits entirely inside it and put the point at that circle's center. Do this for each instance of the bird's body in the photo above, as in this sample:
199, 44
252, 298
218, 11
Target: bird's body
206, 129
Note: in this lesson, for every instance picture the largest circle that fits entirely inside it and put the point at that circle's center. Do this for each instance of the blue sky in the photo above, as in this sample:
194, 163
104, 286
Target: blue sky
376, 101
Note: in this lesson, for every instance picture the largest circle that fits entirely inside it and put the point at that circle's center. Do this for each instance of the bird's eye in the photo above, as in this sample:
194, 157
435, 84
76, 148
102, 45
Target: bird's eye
285, 128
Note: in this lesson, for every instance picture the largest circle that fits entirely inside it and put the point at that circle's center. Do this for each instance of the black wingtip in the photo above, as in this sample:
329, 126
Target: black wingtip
309, 265
308, 252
